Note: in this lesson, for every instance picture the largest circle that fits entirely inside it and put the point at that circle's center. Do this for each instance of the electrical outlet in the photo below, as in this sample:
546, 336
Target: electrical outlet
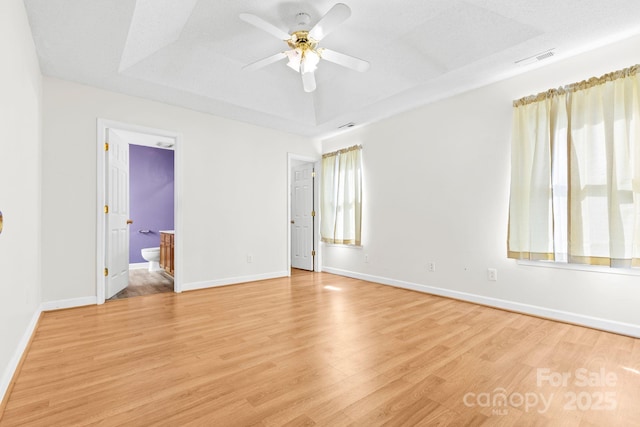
366, 258
492, 274
432, 267
249, 258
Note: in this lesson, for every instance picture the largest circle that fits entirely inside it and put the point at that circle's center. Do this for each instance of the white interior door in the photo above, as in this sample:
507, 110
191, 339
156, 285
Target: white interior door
117, 216
302, 217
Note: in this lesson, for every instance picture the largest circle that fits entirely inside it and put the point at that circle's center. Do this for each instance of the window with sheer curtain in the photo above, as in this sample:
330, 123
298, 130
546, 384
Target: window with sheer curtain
341, 197
575, 173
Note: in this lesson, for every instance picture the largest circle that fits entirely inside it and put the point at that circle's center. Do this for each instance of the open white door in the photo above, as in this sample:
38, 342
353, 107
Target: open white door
302, 216
117, 213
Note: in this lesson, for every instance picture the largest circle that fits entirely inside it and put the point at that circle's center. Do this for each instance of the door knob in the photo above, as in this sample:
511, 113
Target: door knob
129, 221
293, 222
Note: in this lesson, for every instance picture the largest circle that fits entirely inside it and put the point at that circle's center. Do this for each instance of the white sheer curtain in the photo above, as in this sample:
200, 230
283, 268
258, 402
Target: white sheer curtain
605, 172
341, 197
531, 232
575, 173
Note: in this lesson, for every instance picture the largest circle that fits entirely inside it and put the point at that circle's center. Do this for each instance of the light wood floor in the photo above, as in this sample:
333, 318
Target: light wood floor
318, 349
145, 282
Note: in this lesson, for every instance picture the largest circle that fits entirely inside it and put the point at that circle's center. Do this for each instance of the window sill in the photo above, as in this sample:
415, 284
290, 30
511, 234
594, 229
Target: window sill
581, 267
339, 245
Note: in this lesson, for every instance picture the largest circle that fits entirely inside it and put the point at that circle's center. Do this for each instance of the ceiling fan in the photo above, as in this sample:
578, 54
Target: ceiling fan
304, 54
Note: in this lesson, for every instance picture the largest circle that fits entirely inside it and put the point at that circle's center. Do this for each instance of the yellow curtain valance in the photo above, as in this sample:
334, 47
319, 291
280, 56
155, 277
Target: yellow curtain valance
342, 151
585, 84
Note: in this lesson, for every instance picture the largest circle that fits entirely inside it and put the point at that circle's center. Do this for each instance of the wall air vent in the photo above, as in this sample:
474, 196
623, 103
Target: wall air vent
540, 56
347, 125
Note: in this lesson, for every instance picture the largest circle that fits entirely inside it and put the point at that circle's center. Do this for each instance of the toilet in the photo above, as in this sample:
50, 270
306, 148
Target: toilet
153, 256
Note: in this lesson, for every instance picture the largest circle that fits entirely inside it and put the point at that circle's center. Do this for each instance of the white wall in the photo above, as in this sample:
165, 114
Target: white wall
20, 102
437, 188
234, 189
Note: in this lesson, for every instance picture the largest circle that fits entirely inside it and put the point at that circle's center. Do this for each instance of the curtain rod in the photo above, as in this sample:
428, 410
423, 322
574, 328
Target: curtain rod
342, 151
574, 87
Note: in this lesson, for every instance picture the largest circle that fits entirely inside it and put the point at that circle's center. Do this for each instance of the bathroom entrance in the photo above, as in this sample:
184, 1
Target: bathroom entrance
138, 241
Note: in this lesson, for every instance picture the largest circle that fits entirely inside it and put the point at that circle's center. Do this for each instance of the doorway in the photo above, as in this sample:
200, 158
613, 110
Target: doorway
126, 226
304, 180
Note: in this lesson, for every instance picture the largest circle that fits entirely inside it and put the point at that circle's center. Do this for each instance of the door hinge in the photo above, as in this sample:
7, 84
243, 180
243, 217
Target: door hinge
313, 174
106, 208
313, 213
106, 272
106, 146
313, 253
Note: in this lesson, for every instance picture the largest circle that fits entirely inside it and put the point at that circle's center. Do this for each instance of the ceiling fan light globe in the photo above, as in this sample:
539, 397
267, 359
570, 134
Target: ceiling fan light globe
295, 66
294, 59
307, 69
309, 62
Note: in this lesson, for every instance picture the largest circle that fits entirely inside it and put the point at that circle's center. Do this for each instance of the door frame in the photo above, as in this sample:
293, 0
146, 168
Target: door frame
102, 126
291, 158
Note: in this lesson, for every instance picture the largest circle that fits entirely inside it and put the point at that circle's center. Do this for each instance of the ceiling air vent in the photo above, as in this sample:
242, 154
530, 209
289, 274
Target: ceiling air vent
544, 56
347, 125
541, 56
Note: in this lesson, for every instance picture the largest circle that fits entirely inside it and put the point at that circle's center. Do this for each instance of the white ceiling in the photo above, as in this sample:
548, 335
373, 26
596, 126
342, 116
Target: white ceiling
191, 52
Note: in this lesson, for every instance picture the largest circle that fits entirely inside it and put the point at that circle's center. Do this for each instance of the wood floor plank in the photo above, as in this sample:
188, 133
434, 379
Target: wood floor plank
315, 349
144, 282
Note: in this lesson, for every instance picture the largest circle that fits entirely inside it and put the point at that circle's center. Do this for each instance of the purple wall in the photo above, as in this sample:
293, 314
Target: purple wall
150, 197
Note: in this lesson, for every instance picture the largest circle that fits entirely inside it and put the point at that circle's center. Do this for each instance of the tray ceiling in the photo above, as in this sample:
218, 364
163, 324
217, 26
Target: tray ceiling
191, 53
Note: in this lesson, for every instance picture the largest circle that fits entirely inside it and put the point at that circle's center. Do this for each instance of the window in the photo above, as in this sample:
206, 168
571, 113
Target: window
575, 173
341, 197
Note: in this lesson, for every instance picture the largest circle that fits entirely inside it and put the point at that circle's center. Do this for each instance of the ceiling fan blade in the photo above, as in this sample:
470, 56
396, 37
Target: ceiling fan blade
308, 81
329, 22
344, 60
265, 61
265, 26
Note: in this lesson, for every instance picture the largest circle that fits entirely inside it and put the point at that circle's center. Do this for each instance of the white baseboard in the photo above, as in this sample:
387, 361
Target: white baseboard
10, 370
622, 328
232, 281
68, 303
139, 266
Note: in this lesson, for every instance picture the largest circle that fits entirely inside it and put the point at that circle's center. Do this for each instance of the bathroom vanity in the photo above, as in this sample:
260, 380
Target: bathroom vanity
166, 251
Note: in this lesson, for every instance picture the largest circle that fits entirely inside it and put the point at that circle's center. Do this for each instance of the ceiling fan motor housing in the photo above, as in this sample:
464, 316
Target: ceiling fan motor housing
301, 40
